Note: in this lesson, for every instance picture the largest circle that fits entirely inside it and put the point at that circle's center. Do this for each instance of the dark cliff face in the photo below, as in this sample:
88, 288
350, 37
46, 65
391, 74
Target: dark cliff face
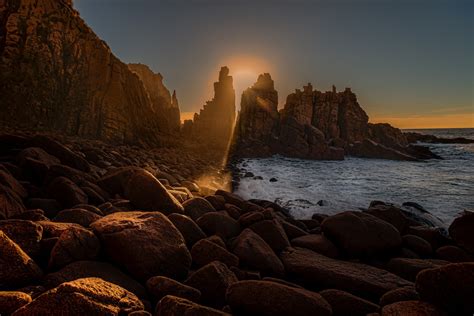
314, 125
165, 106
55, 73
215, 122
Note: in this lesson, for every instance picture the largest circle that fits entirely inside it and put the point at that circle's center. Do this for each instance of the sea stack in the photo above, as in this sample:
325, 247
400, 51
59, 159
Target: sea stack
215, 122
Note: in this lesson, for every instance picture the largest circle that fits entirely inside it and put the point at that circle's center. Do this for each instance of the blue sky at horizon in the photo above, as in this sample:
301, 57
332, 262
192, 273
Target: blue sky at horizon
406, 60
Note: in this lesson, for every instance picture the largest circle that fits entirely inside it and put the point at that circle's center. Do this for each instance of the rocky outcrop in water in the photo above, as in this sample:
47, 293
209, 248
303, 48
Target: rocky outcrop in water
215, 122
258, 123
56, 74
413, 137
315, 125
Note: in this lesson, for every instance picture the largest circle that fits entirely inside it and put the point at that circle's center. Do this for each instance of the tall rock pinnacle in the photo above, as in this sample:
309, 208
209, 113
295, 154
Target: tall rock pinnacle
215, 121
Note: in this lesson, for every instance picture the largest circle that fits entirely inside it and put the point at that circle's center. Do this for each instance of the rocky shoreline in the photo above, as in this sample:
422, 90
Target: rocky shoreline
91, 229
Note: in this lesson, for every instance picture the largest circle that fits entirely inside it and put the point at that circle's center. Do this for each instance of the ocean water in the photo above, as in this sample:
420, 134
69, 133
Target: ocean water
443, 187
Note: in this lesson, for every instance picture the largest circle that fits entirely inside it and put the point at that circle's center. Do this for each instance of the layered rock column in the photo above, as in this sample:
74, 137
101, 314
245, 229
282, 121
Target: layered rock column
215, 122
257, 126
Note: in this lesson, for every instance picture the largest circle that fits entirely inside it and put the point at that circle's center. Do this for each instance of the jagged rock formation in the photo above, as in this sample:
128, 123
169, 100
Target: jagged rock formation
215, 122
56, 74
165, 105
258, 117
315, 125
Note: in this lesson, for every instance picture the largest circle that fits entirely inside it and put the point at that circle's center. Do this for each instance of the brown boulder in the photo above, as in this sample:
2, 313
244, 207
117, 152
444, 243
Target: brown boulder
205, 251
461, 230
115, 180
433, 235
77, 215
417, 244
196, 207
65, 155
26, 234
176, 306
145, 243
8, 181
10, 203
274, 299
53, 229
250, 218
408, 268
11, 301
220, 224
147, 193
356, 278
89, 296
407, 293
160, 286
273, 233
317, 243
359, 234
66, 192
212, 280
390, 214
16, 267
411, 308
292, 231
450, 287
344, 303
103, 270
191, 232
255, 253
217, 201
231, 198
453, 254
74, 244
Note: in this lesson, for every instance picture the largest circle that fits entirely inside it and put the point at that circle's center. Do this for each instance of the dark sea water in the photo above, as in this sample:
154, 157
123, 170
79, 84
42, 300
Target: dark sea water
443, 187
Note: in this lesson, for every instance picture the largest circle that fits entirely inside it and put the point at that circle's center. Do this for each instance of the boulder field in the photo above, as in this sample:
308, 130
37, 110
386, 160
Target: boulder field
90, 229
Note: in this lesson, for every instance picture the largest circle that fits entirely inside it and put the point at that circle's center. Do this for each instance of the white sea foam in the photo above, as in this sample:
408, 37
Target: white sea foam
443, 187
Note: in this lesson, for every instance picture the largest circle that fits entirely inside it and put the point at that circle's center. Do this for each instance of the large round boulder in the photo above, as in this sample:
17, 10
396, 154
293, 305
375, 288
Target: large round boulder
26, 234
220, 224
145, 243
317, 243
16, 267
74, 244
66, 192
103, 270
344, 303
147, 193
212, 281
89, 296
450, 286
361, 235
275, 299
191, 232
412, 308
161, 286
461, 230
10, 301
196, 207
172, 305
255, 253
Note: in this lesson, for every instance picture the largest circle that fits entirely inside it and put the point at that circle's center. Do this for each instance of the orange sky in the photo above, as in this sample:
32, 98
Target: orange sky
429, 121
